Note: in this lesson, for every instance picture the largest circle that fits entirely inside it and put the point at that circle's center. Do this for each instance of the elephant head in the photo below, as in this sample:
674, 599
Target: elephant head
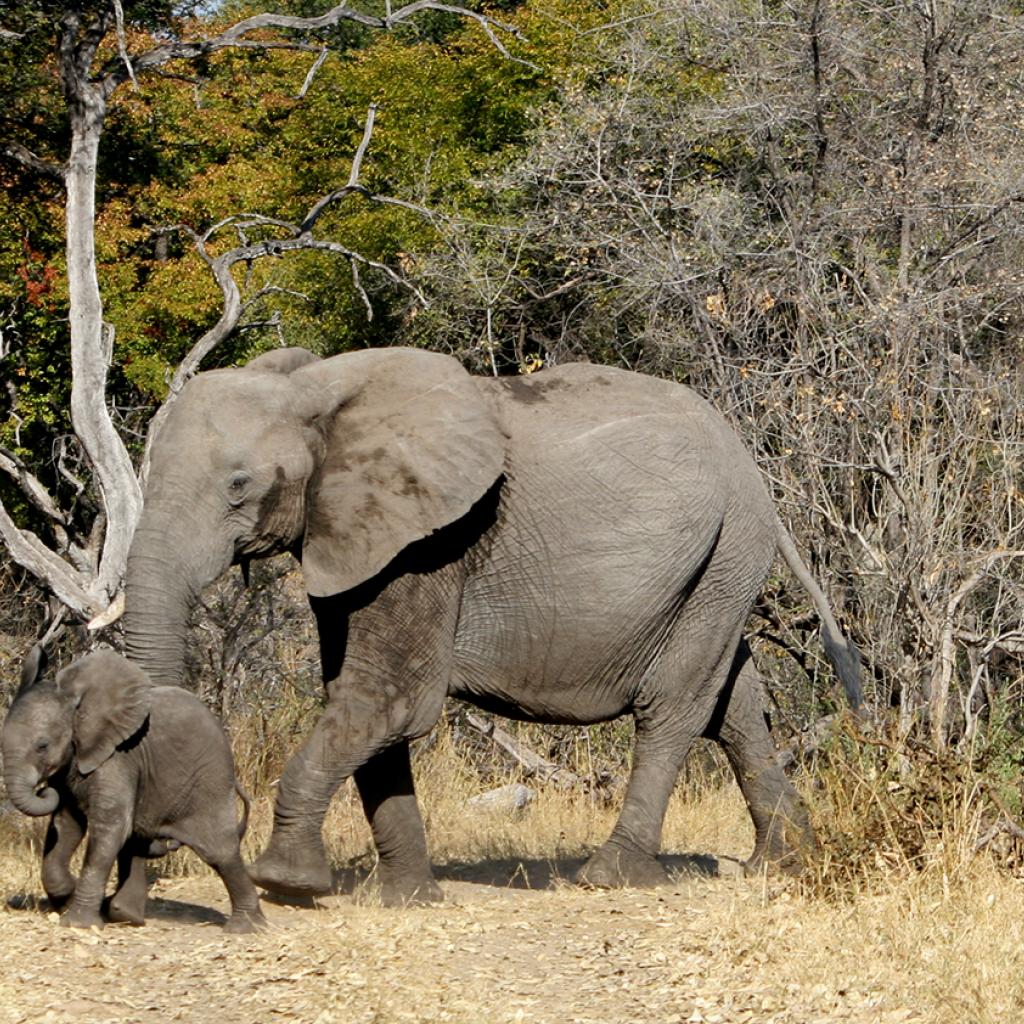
94, 704
343, 461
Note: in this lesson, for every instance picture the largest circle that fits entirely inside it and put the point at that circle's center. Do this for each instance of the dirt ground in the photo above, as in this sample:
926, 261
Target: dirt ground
513, 943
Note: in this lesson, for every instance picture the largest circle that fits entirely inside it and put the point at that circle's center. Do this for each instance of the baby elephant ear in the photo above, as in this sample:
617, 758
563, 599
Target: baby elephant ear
112, 702
32, 668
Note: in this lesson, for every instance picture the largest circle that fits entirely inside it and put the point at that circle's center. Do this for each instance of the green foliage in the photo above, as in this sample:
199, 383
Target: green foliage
450, 107
228, 135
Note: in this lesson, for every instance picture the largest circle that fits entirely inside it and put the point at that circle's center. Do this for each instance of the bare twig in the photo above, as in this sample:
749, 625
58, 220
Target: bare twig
311, 74
533, 764
122, 44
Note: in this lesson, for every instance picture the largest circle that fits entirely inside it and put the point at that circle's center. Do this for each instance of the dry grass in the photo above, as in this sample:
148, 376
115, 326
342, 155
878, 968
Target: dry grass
915, 926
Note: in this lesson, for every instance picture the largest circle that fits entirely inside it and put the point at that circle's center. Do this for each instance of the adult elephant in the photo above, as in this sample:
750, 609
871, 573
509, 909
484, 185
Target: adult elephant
566, 547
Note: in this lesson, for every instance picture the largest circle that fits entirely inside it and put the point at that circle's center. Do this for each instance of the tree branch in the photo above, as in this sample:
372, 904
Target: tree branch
311, 74
122, 44
22, 155
234, 36
531, 761
32, 554
31, 487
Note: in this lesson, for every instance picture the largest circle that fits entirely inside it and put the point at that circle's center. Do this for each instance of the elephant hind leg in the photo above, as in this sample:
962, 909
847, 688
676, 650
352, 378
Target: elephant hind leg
246, 915
679, 702
783, 832
216, 842
629, 857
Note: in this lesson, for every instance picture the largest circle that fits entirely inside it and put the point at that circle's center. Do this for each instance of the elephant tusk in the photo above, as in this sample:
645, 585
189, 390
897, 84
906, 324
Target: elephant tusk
113, 612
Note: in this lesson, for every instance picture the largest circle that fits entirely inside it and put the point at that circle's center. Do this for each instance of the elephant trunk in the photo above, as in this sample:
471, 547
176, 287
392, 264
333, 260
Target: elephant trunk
161, 589
21, 788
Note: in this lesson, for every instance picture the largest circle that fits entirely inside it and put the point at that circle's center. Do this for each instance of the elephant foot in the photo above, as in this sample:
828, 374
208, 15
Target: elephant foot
406, 891
788, 860
58, 900
120, 911
615, 867
786, 850
246, 922
59, 888
77, 917
297, 875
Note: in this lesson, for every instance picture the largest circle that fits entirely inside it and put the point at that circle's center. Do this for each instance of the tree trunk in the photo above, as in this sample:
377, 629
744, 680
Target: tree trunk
91, 350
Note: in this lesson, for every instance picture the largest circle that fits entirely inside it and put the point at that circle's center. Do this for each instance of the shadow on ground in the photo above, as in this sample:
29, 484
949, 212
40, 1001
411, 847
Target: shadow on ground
157, 909
519, 873
357, 881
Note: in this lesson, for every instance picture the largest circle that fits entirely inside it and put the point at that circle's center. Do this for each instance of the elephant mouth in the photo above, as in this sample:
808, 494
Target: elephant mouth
248, 548
46, 776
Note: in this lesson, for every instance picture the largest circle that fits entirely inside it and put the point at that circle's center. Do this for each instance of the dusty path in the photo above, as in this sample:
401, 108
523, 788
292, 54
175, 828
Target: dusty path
701, 950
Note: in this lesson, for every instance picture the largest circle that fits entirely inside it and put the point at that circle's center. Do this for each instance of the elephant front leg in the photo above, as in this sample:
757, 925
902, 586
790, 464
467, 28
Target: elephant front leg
388, 681
350, 736
389, 799
63, 836
295, 862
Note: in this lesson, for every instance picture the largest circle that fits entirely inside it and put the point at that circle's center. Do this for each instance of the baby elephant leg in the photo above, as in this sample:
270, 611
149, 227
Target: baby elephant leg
104, 844
246, 915
128, 904
63, 836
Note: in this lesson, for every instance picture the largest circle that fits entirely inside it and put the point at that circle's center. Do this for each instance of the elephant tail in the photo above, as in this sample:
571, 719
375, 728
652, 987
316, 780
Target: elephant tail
246, 805
840, 651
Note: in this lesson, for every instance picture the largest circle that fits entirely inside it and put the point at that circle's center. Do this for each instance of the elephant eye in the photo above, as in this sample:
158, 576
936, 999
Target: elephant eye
42, 746
237, 486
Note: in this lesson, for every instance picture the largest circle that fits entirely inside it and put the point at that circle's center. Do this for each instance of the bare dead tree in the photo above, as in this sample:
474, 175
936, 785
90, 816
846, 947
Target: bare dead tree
85, 574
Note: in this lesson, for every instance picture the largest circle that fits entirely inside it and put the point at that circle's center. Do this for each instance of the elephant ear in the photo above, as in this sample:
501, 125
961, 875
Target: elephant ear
411, 444
111, 697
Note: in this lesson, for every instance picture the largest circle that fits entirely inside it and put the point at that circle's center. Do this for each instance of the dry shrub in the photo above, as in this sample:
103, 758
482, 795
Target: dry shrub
264, 739
21, 851
560, 826
888, 808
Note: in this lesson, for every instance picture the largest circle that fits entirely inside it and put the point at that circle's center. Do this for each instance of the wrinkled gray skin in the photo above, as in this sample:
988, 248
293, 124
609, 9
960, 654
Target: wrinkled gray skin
570, 546
143, 768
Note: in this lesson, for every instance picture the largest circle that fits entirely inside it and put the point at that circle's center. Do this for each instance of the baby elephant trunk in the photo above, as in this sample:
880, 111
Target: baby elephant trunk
21, 788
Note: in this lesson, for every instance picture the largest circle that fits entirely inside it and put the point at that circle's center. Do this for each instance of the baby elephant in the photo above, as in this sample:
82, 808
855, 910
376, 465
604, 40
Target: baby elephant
145, 768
